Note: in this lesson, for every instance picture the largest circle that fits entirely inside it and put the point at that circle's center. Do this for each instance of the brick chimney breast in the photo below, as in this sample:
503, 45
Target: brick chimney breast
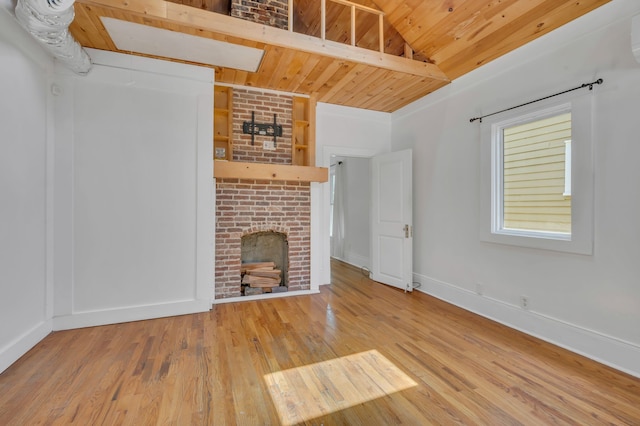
247, 205
273, 13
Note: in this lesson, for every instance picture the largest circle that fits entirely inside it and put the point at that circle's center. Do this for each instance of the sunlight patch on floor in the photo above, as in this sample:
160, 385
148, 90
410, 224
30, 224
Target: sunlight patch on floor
307, 392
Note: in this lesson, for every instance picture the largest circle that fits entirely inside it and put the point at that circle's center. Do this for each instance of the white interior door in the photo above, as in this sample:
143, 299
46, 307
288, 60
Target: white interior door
392, 219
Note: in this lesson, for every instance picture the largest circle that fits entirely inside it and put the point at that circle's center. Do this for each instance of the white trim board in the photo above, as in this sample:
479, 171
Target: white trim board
128, 314
17, 348
615, 353
154, 66
264, 296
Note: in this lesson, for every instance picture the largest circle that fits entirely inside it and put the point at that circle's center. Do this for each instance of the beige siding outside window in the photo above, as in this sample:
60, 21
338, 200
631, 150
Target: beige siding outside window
535, 166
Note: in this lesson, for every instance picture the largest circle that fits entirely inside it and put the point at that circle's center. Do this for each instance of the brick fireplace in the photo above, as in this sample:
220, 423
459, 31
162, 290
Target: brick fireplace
248, 206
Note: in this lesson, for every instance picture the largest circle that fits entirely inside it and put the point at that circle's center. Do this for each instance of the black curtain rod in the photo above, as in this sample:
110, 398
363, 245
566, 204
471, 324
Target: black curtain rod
589, 85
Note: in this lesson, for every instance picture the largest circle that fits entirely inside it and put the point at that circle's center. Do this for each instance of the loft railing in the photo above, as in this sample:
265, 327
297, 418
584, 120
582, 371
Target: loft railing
353, 6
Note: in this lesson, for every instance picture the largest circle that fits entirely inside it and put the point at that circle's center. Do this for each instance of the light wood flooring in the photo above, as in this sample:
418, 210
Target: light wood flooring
358, 353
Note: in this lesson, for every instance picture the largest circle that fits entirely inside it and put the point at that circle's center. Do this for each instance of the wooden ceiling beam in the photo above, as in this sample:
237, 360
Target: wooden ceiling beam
233, 27
251, 31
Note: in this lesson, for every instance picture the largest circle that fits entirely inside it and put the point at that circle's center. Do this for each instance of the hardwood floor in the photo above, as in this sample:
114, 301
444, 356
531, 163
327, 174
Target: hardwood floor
375, 355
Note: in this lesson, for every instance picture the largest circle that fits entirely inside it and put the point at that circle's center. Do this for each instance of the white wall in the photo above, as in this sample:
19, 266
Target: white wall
590, 304
341, 131
110, 181
24, 139
357, 205
135, 196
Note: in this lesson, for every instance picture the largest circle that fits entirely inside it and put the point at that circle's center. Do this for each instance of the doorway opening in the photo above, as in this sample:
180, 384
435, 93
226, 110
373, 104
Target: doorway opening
349, 213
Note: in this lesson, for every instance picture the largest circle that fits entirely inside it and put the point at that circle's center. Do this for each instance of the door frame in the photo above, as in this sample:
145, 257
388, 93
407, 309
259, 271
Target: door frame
325, 253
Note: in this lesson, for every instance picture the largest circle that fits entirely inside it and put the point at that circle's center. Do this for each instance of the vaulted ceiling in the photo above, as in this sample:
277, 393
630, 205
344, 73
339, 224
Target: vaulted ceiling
426, 43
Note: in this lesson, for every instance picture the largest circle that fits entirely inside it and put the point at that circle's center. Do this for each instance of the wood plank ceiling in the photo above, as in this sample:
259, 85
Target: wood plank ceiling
446, 39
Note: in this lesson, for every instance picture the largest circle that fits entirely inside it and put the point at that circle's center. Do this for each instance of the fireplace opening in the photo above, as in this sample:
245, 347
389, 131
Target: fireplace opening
264, 263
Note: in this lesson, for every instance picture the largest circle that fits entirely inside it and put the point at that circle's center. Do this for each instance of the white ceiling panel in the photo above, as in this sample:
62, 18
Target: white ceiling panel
132, 37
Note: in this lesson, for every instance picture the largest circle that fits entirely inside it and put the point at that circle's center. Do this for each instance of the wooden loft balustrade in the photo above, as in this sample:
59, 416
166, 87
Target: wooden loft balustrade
354, 7
251, 33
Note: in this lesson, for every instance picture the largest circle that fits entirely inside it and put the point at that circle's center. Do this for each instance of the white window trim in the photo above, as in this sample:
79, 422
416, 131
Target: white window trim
581, 238
567, 168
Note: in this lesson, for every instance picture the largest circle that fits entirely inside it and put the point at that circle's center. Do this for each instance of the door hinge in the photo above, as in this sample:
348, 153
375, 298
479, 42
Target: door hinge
408, 231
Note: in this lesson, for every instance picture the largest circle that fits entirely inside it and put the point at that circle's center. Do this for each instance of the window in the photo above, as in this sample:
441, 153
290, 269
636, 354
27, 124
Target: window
528, 198
533, 176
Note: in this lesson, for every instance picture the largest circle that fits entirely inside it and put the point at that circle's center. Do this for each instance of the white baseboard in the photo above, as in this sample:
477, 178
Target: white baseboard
136, 313
615, 353
265, 296
356, 260
14, 350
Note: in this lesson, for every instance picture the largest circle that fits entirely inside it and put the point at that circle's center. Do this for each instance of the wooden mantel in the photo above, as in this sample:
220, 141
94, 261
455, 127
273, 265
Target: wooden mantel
260, 171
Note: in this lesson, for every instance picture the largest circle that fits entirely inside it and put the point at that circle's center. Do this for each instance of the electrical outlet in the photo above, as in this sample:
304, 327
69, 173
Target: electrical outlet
524, 302
268, 146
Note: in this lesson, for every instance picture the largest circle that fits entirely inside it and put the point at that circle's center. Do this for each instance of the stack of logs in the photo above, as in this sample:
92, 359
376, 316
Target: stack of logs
261, 277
